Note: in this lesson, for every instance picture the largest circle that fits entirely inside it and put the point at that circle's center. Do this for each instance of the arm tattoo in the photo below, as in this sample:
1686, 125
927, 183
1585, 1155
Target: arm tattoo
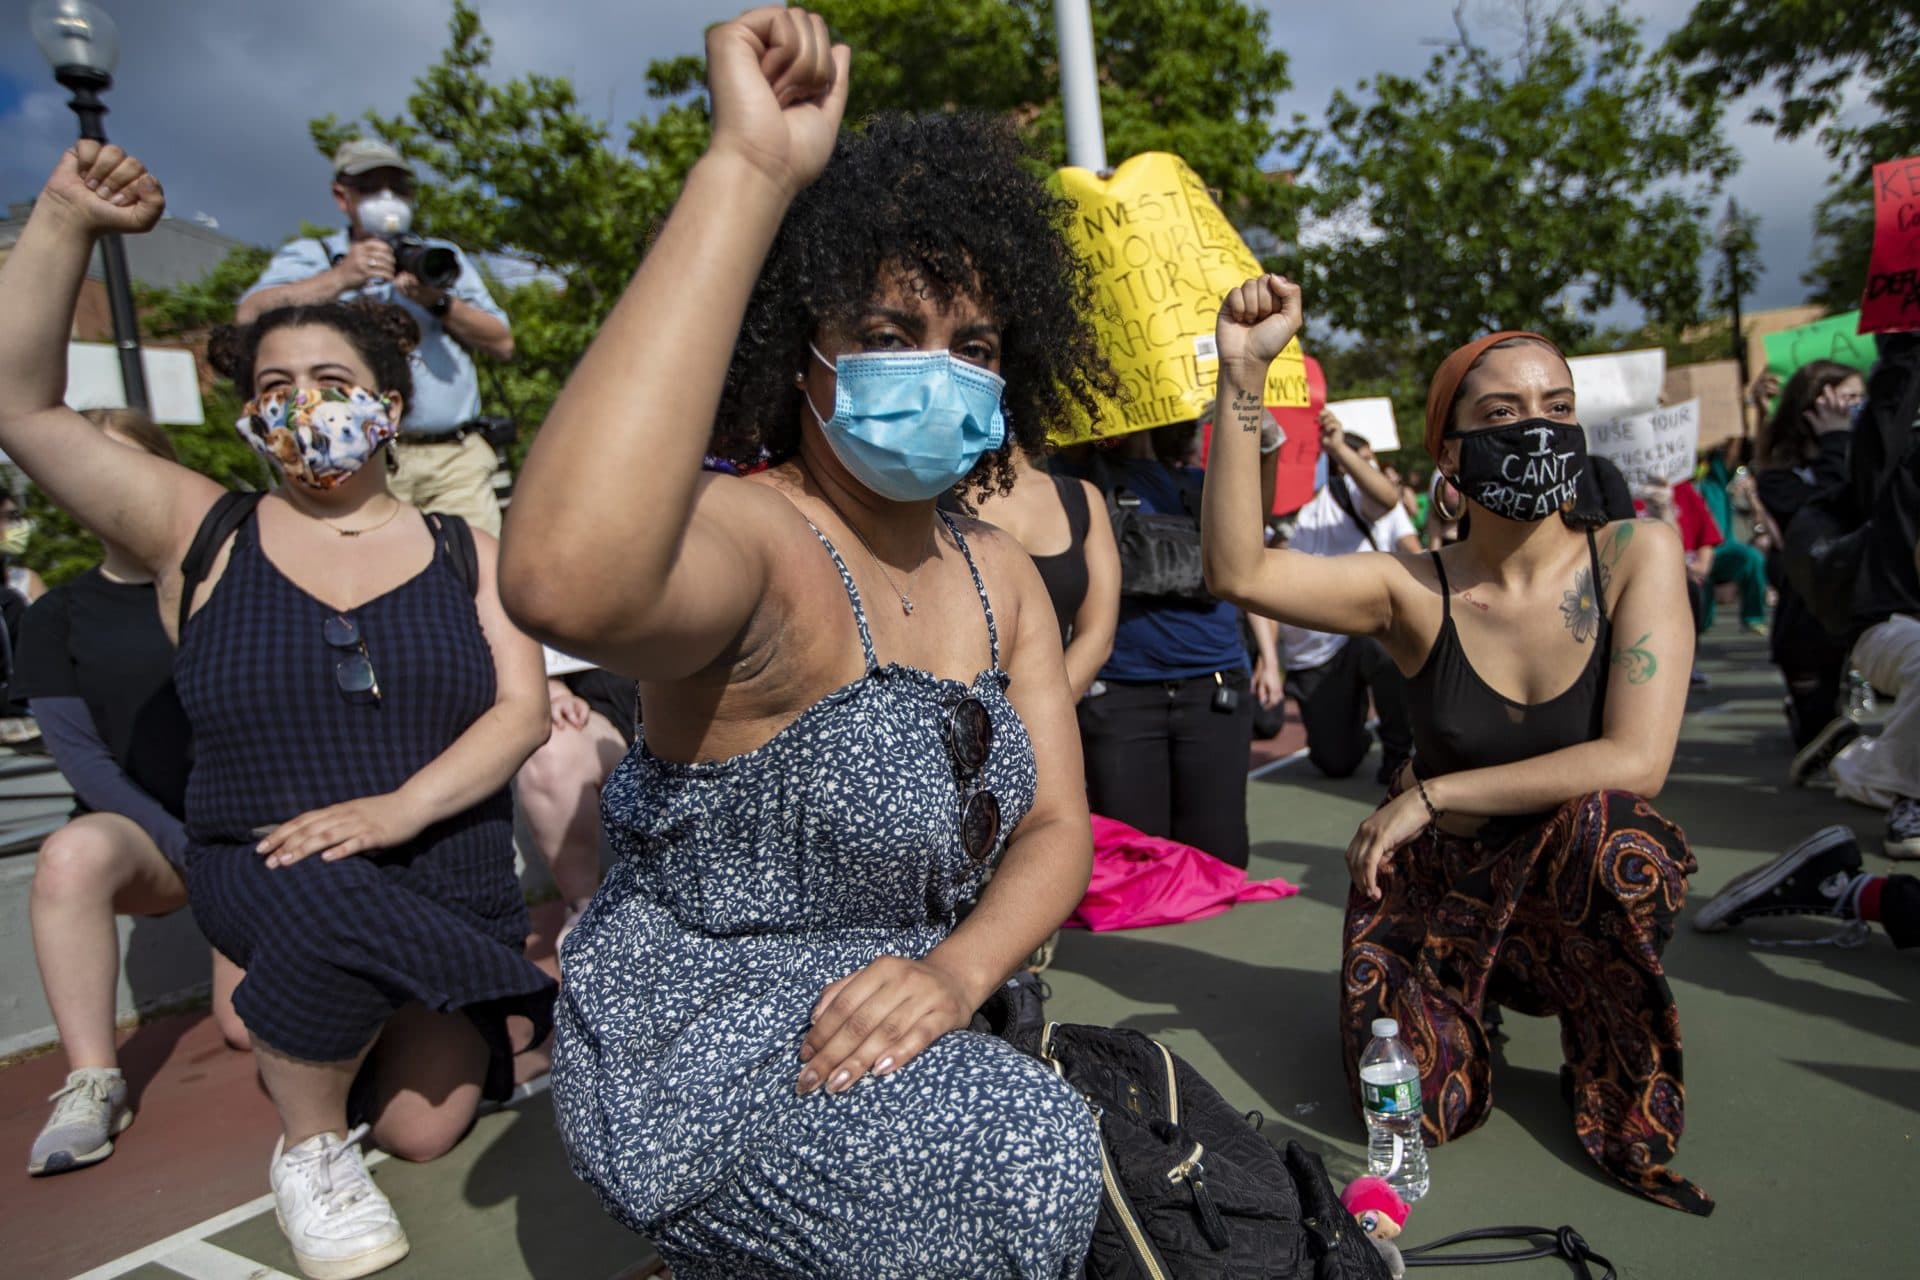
1580, 607
1247, 408
1637, 661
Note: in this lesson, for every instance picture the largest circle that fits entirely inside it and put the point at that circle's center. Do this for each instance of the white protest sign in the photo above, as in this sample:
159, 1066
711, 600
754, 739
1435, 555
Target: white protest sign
1617, 385
1657, 447
1371, 419
173, 381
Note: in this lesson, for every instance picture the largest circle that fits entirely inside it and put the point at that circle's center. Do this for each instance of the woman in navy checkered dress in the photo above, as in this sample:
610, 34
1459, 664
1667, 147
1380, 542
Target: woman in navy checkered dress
856, 711
358, 702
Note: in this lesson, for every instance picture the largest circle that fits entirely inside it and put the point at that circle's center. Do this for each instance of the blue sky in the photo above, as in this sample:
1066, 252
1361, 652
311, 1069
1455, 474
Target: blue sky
215, 94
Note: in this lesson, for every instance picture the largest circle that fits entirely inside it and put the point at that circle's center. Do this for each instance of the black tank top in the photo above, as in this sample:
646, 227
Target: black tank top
1460, 722
1065, 575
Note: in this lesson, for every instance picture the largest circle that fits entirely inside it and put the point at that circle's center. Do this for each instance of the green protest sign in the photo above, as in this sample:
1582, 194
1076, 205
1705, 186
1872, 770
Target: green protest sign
1835, 338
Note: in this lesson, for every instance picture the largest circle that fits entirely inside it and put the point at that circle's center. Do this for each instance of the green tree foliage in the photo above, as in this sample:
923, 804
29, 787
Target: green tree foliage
1812, 56
1194, 77
1519, 188
1527, 190
517, 168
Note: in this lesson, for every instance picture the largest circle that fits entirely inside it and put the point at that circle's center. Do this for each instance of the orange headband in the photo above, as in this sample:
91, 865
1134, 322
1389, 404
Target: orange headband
1453, 371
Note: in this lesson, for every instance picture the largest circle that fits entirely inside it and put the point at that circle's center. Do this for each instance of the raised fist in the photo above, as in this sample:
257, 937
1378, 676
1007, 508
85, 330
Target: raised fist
779, 88
106, 189
1257, 320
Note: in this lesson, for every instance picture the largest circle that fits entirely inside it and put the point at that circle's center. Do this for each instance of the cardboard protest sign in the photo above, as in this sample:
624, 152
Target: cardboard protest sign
1300, 449
1618, 384
1892, 299
1835, 338
1371, 419
1163, 256
1651, 447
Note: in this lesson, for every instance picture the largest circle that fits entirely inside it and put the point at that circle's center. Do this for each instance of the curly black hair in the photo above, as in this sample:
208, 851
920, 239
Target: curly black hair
382, 334
951, 201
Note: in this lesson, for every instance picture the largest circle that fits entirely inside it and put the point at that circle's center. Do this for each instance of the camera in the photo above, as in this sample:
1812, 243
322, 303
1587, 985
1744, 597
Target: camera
431, 264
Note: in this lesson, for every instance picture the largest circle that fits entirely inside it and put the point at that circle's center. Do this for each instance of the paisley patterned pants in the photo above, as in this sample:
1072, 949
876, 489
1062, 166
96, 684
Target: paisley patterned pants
1565, 916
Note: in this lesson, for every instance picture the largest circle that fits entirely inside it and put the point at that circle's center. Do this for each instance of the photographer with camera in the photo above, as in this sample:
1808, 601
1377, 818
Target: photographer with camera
444, 460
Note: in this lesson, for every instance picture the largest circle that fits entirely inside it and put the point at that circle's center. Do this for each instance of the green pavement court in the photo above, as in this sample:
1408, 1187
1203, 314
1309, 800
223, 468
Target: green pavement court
1802, 1071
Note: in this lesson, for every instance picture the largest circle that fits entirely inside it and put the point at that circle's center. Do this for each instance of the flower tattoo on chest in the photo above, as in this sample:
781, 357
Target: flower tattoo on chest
1580, 607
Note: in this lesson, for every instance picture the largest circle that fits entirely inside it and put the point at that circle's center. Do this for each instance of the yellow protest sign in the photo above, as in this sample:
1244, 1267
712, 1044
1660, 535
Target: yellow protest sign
1163, 256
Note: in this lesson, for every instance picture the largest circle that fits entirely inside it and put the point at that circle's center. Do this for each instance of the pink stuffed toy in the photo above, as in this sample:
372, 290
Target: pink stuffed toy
1381, 1213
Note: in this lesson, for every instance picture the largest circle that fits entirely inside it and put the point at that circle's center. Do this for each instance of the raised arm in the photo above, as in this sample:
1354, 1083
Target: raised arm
1346, 594
619, 549
127, 496
1377, 493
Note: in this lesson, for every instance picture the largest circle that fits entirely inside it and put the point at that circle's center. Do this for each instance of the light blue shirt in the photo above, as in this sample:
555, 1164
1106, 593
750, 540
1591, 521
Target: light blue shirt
446, 391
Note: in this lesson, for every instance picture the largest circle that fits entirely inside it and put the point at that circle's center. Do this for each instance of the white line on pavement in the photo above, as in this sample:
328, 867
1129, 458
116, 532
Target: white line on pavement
1272, 766
188, 1253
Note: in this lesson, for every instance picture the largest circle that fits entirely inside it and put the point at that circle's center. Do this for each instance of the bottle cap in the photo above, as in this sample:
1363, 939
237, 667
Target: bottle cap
1385, 1028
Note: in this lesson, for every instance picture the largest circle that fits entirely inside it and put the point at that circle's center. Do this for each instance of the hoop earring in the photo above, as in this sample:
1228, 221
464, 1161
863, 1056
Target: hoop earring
1440, 508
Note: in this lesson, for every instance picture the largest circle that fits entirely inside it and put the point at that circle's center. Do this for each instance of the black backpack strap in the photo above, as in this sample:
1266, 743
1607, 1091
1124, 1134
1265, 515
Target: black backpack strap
455, 537
1343, 499
228, 513
1562, 1242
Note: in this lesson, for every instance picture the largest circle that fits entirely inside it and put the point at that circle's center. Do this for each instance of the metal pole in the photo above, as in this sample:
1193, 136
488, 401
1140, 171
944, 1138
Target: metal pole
1080, 86
113, 256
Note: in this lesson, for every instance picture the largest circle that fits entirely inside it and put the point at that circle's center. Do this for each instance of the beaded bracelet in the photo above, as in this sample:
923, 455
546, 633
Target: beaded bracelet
1433, 814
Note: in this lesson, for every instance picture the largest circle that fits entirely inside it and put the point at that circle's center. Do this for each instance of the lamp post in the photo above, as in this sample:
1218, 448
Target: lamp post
1733, 239
1080, 85
82, 44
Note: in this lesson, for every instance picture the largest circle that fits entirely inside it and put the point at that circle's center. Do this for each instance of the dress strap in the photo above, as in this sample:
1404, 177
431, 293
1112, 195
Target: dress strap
993, 629
853, 595
1599, 580
1446, 592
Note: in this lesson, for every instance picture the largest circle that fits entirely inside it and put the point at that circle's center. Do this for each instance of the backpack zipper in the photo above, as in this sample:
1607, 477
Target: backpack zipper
1143, 1251
1173, 1087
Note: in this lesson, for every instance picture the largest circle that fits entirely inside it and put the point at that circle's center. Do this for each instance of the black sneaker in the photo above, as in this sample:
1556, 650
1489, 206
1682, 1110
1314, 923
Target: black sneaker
1810, 879
1903, 829
1812, 759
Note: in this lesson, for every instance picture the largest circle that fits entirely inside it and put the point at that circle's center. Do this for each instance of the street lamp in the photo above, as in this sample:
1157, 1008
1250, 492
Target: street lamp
82, 44
1733, 242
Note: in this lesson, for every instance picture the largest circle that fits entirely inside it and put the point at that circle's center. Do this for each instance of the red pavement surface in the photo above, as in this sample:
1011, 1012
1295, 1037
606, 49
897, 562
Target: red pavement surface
199, 1147
204, 1132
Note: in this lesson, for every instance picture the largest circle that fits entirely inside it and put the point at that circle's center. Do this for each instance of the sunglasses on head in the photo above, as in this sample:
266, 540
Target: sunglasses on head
353, 674
970, 742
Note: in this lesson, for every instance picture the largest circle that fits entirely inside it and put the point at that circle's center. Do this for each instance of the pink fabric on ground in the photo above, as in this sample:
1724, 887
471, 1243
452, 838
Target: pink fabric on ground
1141, 880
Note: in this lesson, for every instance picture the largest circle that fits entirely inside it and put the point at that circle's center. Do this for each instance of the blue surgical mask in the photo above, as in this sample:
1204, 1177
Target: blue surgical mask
911, 425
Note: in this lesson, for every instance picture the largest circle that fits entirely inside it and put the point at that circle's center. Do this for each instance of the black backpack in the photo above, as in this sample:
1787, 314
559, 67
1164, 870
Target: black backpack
1159, 554
1189, 1188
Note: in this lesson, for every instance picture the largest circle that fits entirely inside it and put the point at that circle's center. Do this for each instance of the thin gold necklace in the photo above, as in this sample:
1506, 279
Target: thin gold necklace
906, 601
372, 528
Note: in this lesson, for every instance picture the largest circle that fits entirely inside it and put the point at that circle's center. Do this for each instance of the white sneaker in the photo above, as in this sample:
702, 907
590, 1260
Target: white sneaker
339, 1224
88, 1112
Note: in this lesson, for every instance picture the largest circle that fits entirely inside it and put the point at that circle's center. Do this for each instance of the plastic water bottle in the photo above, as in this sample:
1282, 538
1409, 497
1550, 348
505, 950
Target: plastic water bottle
1390, 1096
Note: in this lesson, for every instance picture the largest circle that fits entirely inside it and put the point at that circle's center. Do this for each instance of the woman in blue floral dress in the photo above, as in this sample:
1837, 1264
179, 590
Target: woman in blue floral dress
857, 718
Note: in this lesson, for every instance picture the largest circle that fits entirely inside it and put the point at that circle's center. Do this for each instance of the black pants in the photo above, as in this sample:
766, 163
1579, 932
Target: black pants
1333, 707
1812, 662
1162, 760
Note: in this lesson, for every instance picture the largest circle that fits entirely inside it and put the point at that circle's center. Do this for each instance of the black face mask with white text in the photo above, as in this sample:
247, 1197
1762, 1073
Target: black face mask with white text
1524, 470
